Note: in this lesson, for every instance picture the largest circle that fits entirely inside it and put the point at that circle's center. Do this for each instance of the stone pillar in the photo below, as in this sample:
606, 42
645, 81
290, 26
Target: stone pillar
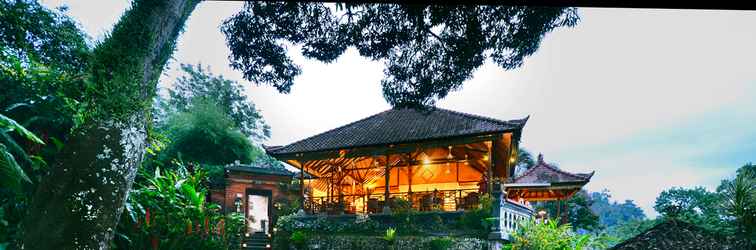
497, 231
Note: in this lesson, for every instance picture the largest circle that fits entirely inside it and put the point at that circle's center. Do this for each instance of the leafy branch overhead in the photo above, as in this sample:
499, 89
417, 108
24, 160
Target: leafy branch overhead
428, 50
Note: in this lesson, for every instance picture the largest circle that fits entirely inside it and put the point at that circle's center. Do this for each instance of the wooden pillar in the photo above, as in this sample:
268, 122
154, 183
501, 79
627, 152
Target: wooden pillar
386, 208
489, 183
301, 185
409, 180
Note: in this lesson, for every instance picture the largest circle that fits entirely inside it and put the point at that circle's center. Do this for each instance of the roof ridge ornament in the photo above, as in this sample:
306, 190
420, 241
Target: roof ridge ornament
540, 158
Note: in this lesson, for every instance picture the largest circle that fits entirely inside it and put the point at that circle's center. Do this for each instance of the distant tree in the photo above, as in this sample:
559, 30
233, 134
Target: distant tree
576, 211
525, 160
612, 213
428, 50
200, 83
695, 205
628, 229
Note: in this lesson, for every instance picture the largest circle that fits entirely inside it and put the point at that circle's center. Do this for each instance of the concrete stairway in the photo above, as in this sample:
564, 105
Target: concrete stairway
258, 240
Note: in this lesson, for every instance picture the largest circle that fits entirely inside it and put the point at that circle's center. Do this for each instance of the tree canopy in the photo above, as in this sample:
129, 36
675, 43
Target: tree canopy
205, 134
428, 50
614, 213
228, 95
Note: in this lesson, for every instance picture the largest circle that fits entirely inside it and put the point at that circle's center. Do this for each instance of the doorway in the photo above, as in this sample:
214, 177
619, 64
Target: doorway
258, 210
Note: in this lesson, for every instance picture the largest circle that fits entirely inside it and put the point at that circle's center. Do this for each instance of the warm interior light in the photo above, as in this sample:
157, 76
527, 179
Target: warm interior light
485, 157
512, 159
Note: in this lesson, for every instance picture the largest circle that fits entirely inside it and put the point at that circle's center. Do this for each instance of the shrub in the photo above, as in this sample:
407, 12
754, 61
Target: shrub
534, 235
299, 239
440, 243
169, 211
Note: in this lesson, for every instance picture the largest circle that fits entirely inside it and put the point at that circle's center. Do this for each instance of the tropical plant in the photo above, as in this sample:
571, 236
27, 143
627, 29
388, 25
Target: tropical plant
169, 211
739, 202
11, 173
390, 236
549, 235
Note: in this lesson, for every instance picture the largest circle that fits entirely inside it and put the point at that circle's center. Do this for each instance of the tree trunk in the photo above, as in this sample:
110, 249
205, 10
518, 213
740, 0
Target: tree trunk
78, 205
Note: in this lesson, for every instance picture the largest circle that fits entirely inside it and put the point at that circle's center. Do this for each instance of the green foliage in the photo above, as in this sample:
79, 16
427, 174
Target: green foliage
11, 173
731, 210
43, 56
739, 202
170, 210
286, 206
390, 236
613, 213
37, 34
525, 161
697, 206
299, 239
205, 134
200, 83
124, 68
535, 235
477, 220
578, 211
429, 50
442, 243
628, 229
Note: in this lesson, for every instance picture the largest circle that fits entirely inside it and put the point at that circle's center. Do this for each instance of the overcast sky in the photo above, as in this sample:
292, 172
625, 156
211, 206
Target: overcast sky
649, 99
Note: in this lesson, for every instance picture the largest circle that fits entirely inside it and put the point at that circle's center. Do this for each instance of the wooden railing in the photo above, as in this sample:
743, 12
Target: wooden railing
441, 200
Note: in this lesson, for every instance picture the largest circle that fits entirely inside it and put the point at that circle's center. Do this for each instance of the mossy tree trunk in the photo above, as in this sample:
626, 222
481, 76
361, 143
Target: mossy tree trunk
77, 206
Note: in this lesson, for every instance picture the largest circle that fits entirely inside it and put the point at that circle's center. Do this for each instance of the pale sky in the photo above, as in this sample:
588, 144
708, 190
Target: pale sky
649, 99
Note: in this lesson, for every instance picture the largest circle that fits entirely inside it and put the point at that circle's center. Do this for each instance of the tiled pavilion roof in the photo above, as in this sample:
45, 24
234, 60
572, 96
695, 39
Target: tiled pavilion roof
395, 126
544, 173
